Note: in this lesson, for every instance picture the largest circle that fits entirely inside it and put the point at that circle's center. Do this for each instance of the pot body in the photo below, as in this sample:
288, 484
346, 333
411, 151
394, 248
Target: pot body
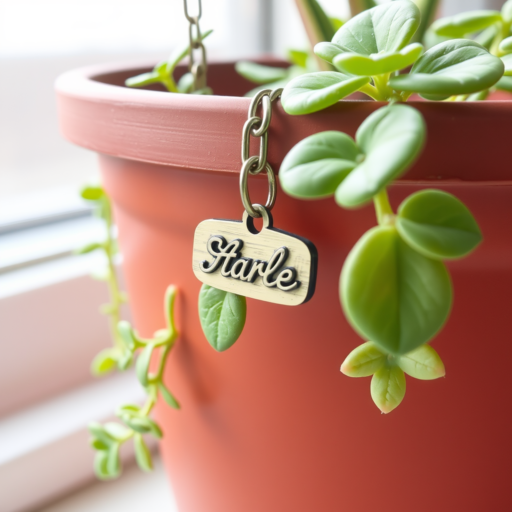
272, 424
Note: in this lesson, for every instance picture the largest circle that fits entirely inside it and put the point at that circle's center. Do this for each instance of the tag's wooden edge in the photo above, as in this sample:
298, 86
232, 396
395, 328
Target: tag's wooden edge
308, 243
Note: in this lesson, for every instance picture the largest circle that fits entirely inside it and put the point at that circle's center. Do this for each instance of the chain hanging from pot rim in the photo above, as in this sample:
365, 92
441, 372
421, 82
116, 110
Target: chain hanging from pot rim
197, 68
258, 127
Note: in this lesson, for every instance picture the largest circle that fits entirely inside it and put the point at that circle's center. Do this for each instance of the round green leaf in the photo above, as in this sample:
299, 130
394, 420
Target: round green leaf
327, 51
386, 28
506, 45
222, 315
260, 74
92, 193
364, 361
465, 23
388, 388
97, 431
506, 11
101, 465
142, 453
379, 63
423, 363
315, 91
185, 83
454, 67
142, 365
117, 431
104, 362
391, 138
168, 397
505, 84
438, 225
507, 62
113, 461
392, 294
318, 164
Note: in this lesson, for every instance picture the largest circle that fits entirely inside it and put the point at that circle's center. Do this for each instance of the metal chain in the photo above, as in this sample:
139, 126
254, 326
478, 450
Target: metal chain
197, 68
258, 127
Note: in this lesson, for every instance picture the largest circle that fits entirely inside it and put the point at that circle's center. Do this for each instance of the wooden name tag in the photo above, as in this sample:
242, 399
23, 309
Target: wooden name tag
271, 265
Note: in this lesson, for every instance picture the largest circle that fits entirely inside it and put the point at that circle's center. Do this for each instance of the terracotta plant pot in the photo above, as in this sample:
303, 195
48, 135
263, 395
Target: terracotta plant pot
272, 425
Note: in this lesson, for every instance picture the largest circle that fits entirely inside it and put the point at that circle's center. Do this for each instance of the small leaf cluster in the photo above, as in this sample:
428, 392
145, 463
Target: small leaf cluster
111, 357
107, 439
163, 73
490, 28
370, 53
388, 371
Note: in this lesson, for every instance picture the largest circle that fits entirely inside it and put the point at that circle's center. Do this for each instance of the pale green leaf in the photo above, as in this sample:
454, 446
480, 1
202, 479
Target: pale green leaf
505, 84
388, 388
258, 73
168, 397
318, 164
142, 453
298, 57
142, 365
379, 63
364, 361
506, 11
465, 23
315, 91
423, 363
222, 315
507, 62
104, 362
454, 67
506, 45
143, 79
438, 225
386, 28
392, 294
391, 139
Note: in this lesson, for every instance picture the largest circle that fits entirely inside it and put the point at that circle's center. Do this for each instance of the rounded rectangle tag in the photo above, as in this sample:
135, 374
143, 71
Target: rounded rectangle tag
272, 265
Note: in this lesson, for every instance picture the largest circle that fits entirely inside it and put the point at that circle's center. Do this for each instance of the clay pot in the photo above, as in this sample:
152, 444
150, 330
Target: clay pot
272, 425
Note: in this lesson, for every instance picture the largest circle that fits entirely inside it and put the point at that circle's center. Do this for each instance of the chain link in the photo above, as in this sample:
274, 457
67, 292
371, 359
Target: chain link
258, 127
196, 67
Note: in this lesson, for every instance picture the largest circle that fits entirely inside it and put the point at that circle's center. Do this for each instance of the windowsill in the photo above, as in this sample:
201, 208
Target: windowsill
134, 491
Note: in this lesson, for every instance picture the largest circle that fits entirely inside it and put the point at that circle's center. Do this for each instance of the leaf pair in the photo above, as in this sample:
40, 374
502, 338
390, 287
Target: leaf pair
107, 440
327, 163
388, 381
394, 288
222, 315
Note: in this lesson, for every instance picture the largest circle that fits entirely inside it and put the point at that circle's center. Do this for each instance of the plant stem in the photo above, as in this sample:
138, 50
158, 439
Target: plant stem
503, 32
383, 209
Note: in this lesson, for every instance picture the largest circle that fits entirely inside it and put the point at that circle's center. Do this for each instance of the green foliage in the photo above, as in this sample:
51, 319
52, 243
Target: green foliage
465, 23
437, 225
222, 315
107, 439
108, 359
454, 67
388, 382
392, 294
163, 72
327, 163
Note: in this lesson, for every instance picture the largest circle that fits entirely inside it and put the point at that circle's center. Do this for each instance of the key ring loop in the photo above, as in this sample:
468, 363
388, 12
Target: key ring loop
244, 189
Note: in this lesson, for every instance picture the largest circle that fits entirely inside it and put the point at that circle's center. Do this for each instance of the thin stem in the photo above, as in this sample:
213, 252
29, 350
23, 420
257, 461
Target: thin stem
383, 209
371, 91
503, 32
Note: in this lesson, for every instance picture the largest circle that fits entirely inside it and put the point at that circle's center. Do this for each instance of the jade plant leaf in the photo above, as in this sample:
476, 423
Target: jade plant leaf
506, 11
465, 23
506, 45
364, 361
505, 84
388, 388
458, 66
298, 57
507, 62
392, 294
318, 164
379, 63
438, 225
258, 73
142, 453
386, 28
423, 363
142, 366
328, 51
315, 91
391, 139
92, 193
222, 315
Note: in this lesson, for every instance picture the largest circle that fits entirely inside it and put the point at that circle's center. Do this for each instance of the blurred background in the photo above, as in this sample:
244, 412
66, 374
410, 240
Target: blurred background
50, 328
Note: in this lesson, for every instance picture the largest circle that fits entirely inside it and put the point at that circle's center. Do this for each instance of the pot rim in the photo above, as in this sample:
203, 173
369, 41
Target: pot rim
204, 132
